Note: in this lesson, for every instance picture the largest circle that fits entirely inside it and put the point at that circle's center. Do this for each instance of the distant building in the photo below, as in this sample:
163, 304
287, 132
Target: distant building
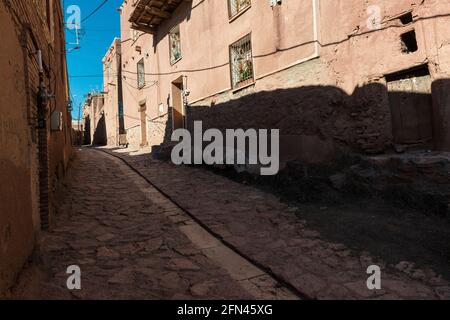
35, 126
77, 132
113, 107
334, 76
94, 119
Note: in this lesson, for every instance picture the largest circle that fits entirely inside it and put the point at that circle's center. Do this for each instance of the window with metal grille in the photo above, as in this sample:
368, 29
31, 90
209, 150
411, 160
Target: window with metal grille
175, 45
141, 74
237, 6
241, 62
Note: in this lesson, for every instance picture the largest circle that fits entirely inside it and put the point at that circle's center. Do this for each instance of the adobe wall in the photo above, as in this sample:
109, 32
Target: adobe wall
339, 102
316, 120
24, 31
319, 79
112, 87
17, 187
136, 47
134, 136
205, 61
359, 55
59, 142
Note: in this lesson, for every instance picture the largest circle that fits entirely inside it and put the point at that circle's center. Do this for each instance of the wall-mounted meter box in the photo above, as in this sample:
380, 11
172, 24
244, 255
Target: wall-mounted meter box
56, 121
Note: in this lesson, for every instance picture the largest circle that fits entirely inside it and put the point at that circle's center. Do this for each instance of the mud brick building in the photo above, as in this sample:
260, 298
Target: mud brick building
77, 132
335, 76
94, 119
113, 94
145, 112
35, 126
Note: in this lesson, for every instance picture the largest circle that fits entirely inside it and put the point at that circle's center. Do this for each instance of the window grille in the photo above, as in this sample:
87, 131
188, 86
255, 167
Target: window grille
175, 45
241, 62
237, 6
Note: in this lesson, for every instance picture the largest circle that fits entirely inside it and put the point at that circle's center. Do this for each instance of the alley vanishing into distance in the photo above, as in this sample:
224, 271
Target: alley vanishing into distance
225, 150
131, 242
216, 239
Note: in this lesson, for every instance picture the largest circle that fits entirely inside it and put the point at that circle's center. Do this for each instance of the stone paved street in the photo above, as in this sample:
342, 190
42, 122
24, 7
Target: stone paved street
267, 231
141, 228
131, 242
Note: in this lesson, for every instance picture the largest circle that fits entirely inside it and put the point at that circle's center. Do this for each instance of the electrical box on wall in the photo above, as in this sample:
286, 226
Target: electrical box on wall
56, 121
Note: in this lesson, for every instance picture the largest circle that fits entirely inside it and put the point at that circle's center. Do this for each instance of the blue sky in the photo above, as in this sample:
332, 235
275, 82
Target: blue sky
97, 35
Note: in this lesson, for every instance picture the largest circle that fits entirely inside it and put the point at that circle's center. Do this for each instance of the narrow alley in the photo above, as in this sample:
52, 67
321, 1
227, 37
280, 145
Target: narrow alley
191, 152
132, 241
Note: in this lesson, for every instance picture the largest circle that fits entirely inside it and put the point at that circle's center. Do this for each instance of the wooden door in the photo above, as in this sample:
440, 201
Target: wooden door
178, 115
411, 107
143, 112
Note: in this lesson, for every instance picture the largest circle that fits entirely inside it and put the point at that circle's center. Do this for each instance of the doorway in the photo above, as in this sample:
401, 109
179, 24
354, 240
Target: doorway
178, 110
143, 115
411, 106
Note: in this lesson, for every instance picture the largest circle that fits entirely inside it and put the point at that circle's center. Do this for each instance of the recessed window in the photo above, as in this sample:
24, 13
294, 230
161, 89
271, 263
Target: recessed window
237, 6
407, 18
141, 74
241, 62
175, 45
409, 42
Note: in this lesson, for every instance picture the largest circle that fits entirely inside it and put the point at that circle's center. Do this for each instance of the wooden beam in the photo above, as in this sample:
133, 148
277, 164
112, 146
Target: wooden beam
143, 28
157, 12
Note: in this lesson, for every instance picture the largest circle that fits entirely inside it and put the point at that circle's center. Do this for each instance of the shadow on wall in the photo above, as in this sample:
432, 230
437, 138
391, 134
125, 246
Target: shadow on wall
321, 123
87, 131
100, 138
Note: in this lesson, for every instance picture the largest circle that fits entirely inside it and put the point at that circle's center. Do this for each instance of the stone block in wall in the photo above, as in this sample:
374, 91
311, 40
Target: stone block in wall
134, 136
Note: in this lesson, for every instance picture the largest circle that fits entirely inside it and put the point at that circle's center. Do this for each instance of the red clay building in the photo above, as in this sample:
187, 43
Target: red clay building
35, 126
335, 76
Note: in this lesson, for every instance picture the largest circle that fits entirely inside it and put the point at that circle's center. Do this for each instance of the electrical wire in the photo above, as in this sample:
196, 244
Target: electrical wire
95, 11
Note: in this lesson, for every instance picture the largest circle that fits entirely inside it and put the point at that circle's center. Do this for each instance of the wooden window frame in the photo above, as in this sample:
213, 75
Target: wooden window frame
238, 12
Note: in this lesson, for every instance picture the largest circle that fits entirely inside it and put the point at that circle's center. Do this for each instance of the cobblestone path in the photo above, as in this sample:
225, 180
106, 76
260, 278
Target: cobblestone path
133, 243
268, 232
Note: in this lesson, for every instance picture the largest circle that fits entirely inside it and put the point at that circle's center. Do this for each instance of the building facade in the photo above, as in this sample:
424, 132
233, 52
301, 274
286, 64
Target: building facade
144, 124
77, 132
94, 122
113, 108
335, 76
35, 126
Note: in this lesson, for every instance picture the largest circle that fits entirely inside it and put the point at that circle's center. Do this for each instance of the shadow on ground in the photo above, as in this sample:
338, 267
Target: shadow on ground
391, 230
